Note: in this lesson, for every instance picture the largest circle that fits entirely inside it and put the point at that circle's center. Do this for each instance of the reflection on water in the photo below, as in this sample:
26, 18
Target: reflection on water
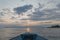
51, 34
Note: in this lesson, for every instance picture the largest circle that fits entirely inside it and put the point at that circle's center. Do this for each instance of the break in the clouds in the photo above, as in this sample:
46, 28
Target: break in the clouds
23, 9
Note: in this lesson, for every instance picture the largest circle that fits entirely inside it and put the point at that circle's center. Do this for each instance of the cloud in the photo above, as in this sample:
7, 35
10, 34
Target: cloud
23, 9
11, 26
38, 14
1, 14
58, 5
6, 15
46, 14
54, 13
2, 20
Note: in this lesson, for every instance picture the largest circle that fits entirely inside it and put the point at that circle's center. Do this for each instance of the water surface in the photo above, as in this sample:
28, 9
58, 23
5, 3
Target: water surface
49, 33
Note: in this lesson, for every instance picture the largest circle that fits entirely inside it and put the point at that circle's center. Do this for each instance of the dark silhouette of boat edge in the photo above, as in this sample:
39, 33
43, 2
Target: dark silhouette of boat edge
32, 36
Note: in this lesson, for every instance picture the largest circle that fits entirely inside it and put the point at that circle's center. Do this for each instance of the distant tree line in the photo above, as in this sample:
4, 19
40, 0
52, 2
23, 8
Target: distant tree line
55, 26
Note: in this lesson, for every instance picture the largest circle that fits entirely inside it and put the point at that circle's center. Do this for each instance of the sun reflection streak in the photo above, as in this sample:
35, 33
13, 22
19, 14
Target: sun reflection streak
28, 29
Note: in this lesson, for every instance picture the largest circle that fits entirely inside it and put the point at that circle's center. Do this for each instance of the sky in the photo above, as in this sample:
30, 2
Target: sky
22, 13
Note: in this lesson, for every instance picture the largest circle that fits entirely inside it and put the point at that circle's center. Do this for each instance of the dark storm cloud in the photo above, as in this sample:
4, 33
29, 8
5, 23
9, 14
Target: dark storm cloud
23, 9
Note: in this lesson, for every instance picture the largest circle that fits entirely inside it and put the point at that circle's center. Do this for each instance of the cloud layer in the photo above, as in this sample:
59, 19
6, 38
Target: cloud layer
44, 14
23, 9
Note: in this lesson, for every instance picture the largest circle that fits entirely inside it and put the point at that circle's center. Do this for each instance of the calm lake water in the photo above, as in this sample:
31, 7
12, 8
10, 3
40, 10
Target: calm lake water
49, 33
